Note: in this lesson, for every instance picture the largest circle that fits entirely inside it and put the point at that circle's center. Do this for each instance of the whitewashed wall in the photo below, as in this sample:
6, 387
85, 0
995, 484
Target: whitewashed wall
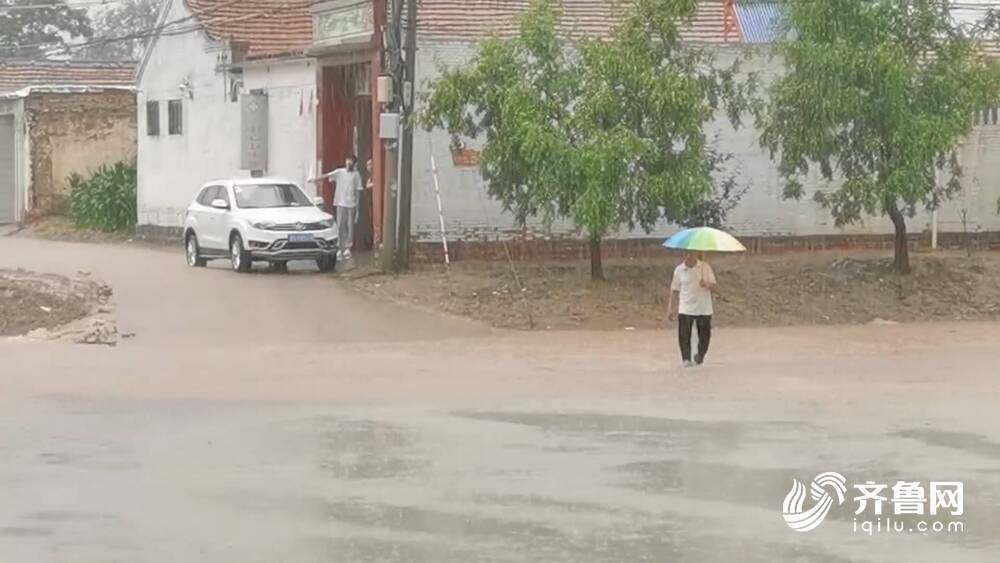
471, 214
171, 168
22, 157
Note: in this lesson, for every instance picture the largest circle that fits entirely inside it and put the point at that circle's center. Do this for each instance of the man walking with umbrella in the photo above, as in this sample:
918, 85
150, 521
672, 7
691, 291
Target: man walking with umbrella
692, 285
691, 304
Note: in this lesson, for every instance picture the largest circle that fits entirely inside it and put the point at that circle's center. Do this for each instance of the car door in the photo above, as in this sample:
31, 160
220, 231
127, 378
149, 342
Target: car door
211, 219
221, 217
197, 216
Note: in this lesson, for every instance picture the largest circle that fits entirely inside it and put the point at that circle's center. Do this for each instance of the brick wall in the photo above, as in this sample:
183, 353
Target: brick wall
577, 249
75, 133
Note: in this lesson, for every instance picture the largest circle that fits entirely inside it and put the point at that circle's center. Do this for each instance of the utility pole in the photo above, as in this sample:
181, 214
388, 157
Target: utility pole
390, 205
406, 152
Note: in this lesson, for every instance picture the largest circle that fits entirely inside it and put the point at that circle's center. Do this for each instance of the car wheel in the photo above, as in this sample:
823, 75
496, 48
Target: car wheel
327, 263
193, 253
279, 266
239, 257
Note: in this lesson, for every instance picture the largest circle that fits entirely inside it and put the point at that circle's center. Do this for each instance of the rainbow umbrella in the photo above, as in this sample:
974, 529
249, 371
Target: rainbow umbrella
704, 239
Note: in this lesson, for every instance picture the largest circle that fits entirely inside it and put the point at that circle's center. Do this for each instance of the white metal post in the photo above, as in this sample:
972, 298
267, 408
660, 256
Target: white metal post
437, 194
934, 229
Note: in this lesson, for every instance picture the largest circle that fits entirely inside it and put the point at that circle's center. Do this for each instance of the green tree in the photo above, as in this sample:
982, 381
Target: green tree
126, 17
31, 28
608, 133
876, 95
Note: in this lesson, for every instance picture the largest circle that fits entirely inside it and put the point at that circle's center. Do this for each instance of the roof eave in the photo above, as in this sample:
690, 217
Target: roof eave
64, 89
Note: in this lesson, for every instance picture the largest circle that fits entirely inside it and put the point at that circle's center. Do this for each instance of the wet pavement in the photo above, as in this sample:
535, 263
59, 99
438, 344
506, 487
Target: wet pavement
417, 438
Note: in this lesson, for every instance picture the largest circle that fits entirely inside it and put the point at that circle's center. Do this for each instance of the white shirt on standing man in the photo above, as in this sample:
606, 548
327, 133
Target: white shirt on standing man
694, 284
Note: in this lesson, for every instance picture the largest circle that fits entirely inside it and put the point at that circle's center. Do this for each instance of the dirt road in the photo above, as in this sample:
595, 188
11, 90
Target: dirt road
286, 418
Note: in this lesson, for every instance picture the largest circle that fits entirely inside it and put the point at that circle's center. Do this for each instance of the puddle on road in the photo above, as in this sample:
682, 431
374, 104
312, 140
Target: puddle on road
18, 531
758, 487
971, 443
368, 449
645, 431
496, 539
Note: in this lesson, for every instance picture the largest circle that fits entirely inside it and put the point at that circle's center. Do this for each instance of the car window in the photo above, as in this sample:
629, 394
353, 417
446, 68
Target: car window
206, 195
259, 196
222, 194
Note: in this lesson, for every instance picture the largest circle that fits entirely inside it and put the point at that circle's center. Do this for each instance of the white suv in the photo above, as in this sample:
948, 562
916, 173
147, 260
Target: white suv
258, 219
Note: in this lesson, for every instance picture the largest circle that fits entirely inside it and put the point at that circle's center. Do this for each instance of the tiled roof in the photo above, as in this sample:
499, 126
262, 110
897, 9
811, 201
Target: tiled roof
470, 19
18, 75
268, 27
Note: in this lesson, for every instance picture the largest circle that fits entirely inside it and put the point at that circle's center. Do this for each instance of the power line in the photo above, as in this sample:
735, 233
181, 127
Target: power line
162, 30
55, 6
142, 34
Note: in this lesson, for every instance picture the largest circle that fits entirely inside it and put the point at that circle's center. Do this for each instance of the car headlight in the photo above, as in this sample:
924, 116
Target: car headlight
263, 225
326, 224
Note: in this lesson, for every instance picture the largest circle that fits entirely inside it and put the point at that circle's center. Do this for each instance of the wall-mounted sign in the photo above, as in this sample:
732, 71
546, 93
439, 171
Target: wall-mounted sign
253, 140
339, 21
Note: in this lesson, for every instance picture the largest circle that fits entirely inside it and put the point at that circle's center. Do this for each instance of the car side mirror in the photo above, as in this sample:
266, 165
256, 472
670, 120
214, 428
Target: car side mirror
318, 201
220, 204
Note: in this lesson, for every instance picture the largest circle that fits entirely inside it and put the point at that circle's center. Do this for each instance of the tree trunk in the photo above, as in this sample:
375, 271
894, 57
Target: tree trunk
902, 247
596, 266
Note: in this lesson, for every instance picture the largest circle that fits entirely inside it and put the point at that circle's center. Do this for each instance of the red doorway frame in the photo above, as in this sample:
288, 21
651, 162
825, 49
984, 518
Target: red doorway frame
333, 145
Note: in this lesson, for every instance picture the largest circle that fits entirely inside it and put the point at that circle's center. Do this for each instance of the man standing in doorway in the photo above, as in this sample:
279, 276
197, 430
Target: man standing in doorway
691, 304
347, 186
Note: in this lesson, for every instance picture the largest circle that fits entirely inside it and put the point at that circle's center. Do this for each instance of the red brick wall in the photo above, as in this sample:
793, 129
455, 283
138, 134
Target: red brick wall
572, 249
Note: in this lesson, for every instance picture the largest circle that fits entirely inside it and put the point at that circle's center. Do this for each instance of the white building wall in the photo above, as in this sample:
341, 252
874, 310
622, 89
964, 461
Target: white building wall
291, 141
471, 214
172, 168
22, 157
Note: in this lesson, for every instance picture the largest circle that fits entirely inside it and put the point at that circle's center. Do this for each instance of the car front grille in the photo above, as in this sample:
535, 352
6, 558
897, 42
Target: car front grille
300, 246
298, 227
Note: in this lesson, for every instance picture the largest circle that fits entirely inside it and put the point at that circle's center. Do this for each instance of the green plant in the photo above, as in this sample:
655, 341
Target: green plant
608, 133
877, 96
106, 200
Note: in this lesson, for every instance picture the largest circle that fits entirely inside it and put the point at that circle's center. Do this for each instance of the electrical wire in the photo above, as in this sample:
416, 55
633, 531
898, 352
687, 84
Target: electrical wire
55, 6
163, 30
141, 34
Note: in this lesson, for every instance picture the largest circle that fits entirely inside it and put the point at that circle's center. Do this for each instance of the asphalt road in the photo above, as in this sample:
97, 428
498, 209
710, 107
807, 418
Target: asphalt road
272, 417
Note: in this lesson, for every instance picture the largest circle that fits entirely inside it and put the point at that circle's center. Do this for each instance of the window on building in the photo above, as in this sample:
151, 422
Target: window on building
153, 119
175, 117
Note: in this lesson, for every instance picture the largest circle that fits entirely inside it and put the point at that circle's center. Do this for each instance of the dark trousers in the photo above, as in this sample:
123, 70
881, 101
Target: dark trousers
685, 323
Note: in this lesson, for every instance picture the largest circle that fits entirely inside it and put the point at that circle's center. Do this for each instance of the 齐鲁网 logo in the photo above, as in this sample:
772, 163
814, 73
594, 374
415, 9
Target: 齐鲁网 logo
943, 501
820, 490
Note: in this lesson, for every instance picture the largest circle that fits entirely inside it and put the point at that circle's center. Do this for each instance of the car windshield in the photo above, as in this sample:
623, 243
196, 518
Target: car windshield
270, 195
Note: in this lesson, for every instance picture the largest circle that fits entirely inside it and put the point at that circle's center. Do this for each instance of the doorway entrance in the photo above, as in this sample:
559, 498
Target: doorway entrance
346, 129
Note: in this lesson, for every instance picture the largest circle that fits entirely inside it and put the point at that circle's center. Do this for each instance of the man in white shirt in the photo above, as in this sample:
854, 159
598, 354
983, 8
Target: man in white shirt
691, 304
348, 185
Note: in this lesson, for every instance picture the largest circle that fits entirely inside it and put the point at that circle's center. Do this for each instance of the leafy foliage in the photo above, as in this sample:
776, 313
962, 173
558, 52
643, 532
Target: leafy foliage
608, 133
39, 25
117, 20
877, 94
105, 201
714, 210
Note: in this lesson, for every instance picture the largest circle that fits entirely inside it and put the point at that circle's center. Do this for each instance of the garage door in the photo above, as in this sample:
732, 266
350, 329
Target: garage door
7, 175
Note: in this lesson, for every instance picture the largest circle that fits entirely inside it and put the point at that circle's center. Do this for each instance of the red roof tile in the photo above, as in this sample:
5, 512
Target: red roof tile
470, 19
280, 27
17, 75
268, 27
